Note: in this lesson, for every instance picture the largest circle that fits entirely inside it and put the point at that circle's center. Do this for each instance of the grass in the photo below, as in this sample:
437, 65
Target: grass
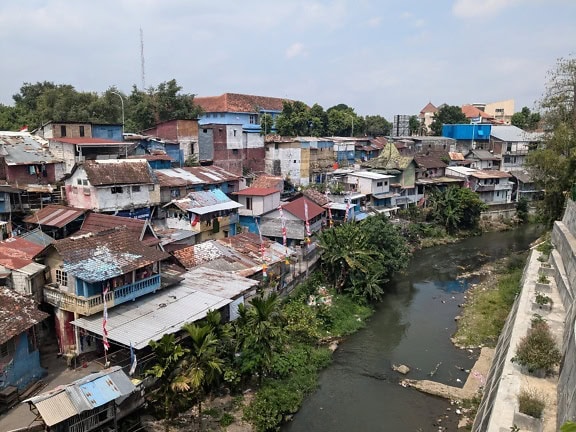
347, 316
488, 306
531, 403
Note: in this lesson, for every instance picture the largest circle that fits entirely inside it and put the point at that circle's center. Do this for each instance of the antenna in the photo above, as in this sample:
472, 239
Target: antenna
142, 59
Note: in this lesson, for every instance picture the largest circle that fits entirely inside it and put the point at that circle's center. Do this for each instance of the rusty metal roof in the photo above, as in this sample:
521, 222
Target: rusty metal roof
22, 148
257, 191
55, 215
118, 171
98, 222
17, 314
17, 252
267, 181
100, 256
85, 394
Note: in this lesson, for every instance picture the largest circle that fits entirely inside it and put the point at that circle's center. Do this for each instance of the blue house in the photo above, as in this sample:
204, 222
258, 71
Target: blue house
19, 355
89, 271
107, 131
468, 136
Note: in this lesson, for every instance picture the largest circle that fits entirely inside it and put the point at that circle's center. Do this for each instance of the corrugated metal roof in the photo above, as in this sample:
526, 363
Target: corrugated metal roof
193, 176
17, 252
204, 202
81, 395
515, 134
55, 215
25, 149
118, 172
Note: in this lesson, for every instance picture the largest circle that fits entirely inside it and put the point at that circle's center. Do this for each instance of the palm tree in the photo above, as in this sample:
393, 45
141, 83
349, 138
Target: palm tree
203, 365
260, 333
169, 355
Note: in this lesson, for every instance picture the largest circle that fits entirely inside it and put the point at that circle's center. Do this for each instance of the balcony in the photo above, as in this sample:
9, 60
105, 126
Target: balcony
94, 304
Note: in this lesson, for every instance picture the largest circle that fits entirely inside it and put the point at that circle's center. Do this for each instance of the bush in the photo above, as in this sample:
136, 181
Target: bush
537, 350
531, 403
545, 248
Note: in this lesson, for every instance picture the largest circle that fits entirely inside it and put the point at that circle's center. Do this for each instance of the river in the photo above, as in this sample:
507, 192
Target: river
411, 326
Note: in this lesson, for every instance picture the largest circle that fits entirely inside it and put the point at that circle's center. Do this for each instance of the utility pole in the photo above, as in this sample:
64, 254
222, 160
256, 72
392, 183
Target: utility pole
122, 102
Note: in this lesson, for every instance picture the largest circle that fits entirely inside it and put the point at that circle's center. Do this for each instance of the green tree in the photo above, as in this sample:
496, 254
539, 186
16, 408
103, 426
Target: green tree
414, 125
343, 121
260, 334
447, 114
553, 165
167, 370
318, 121
377, 125
202, 365
294, 119
266, 124
525, 119
456, 208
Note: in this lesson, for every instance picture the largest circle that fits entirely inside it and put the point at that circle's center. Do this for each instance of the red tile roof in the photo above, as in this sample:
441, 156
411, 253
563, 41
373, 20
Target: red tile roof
429, 108
54, 215
266, 181
241, 103
470, 111
18, 252
316, 196
17, 314
296, 207
254, 191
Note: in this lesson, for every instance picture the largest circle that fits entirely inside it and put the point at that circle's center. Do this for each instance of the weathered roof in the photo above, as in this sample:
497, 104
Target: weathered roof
118, 171
152, 157
296, 207
87, 141
429, 108
255, 191
240, 103
515, 134
389, 159
38, 236
22, 148
482, 155
203, 202
54, 215
456, 156
150, 317
17, 314
487, 174
370, 175
98, 222
17, 252
431, 160
85, 394
522, 176
316, 196
100, 256
266, 181
193, 176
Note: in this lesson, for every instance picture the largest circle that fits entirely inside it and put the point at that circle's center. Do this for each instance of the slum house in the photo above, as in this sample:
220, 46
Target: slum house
19, 357
19, 270
57, 221
96, 402
124, 187
431, 173
513, 144
166, 312
157, 159
288, 158
483, 160
178, 182
255, 202
184, 132
524, 187
402, 167
90, 270
59, 129
28, 166
297, 215
77, 150
211, 214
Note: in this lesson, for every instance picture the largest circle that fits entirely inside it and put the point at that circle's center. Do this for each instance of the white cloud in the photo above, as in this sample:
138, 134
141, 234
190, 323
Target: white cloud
480, 8
295, 50
374, 22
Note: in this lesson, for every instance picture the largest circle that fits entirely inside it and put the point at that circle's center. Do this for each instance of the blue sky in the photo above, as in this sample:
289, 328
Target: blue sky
378, 56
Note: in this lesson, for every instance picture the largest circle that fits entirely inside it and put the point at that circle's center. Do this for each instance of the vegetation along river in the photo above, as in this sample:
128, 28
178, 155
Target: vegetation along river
411, 326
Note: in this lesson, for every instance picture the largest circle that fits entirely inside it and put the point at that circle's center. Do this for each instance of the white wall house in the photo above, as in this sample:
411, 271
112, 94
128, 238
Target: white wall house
257, 201
368, 183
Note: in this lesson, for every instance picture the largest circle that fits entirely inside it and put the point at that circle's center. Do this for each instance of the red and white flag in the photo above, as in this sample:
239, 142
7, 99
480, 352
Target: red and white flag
283, 222
24, 128
105, 321
347, 210
307, 222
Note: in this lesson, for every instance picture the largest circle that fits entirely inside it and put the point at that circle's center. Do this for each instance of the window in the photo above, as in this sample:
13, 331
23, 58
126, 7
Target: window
74, 189
81, 131
204, 130
234, 132
135, 189
252, 119
116, 189
61, 277
86, 191
378, 184
386, 183
62, 131
248, 203
509, 147
221, 115
79, 181
174, 193
85, 182
234, 151
275, 146
506, 159
7, 349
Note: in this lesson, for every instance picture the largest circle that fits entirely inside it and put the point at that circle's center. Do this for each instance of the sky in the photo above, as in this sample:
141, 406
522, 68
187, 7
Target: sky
380, 57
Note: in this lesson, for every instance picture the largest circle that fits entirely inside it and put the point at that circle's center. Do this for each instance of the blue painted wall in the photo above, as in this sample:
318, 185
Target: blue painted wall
24, 369
477, 132
236, 119
249, 222
112, 132
5, 202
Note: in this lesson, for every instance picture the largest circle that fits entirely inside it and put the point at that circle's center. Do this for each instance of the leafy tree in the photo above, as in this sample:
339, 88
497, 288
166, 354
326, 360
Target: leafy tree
377, 126
522, 210
553, 166
526, 119
456, 208
169, 356
260, 333
266, 124
414, 125
343, 121
447, 114
202, 366
294, 119
318, 121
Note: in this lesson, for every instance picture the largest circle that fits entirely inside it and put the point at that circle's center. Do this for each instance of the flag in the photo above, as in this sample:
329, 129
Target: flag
133, 360
24, 128
330, 216
262, 251
195, 220
307, 222
105, 321
283, 222
347, 210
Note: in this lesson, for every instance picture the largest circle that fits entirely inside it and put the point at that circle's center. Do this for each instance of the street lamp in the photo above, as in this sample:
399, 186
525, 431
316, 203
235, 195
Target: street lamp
122, 102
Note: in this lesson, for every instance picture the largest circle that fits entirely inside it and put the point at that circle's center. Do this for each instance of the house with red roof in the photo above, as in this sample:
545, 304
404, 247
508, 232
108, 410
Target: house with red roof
294, 216
182, 131
18, 269
256, 202
426, 116
56, 220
